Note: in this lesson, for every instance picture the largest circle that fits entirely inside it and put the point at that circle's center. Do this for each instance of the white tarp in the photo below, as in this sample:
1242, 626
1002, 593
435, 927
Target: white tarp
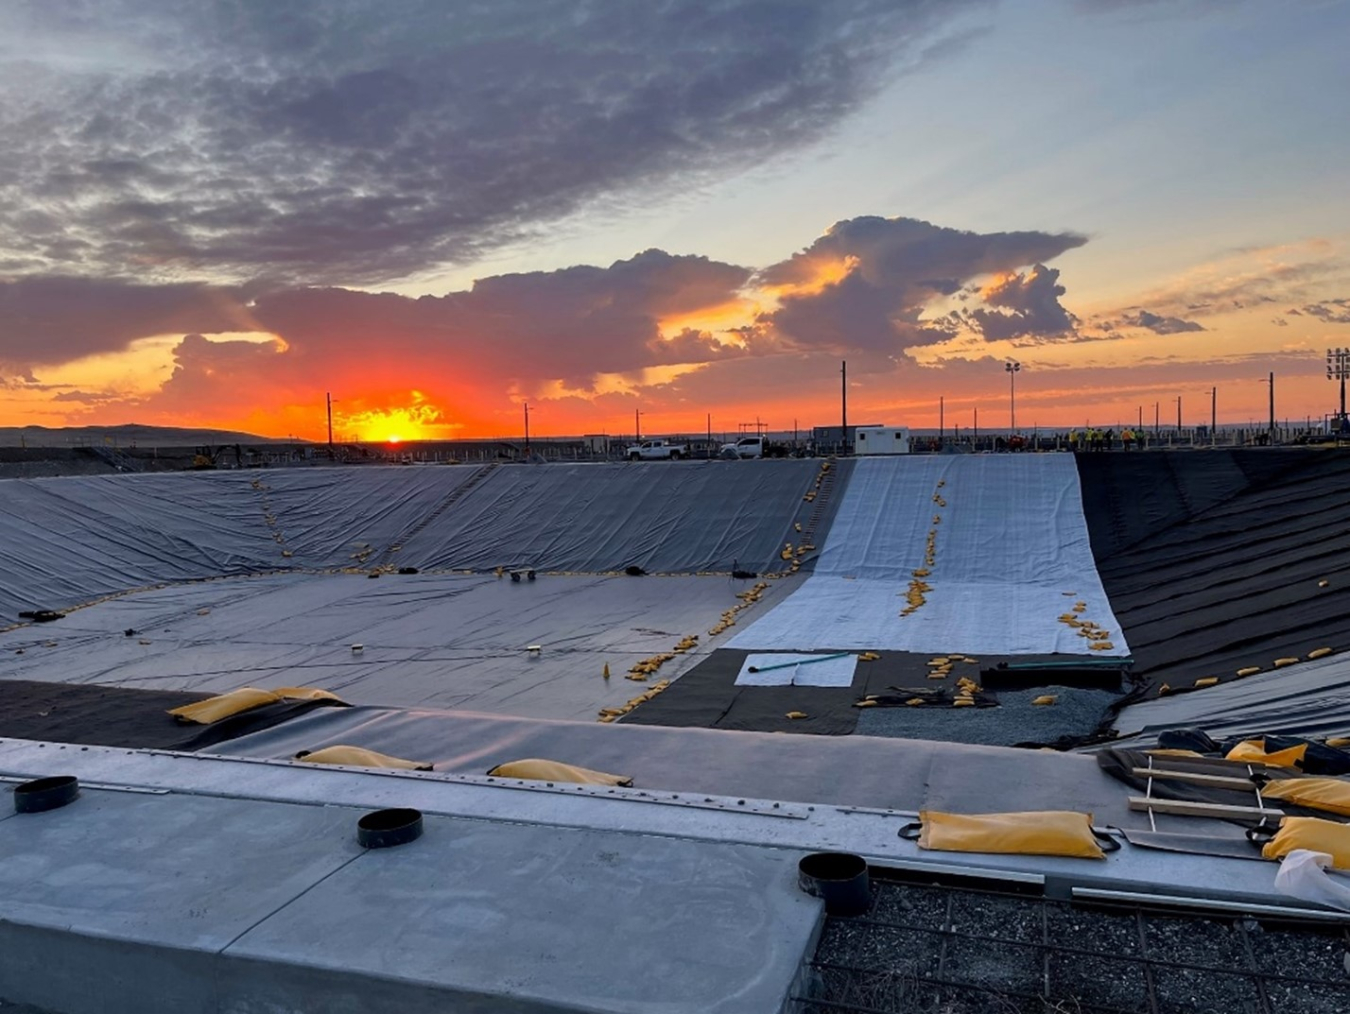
1011, 556
1311, 700
785, 670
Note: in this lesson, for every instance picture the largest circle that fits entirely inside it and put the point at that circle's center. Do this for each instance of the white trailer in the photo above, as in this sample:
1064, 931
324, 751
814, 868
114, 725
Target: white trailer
881, 440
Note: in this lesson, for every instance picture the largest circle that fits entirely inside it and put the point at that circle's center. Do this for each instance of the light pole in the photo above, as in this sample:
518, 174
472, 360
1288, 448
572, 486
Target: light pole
637, 426
527, 429
1213, 416
1338, 367
1012, 366
1178, 417
1270, 431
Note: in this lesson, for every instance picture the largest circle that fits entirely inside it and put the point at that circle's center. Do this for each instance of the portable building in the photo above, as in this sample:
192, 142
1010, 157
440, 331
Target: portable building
881, 440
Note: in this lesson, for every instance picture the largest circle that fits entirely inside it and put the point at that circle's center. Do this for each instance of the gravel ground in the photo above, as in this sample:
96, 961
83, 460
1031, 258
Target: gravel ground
1077, 712
894, 968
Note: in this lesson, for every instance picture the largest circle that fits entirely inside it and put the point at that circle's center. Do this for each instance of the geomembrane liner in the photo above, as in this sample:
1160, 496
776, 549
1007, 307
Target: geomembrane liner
986, 554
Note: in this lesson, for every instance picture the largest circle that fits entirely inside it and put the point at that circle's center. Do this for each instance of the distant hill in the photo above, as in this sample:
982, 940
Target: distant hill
128, 435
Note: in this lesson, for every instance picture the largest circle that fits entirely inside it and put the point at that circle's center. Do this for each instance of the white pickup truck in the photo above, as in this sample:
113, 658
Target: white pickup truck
753, 447
657, 450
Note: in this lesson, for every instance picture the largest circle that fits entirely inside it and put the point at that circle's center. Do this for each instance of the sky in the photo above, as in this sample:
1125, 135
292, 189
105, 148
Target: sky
674, 214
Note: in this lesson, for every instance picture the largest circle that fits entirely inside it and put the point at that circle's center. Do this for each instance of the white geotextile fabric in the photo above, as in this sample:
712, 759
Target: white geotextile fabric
428, 640
820, 670
1012, 555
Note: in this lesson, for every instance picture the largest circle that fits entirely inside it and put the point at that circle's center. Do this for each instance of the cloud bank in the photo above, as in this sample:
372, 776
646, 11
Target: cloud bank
340, 143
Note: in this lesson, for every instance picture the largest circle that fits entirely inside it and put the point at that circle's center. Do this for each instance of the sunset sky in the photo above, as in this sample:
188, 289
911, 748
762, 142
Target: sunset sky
212, 213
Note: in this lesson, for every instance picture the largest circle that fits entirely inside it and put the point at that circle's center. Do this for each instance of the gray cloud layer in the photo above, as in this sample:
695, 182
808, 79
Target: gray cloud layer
349, 141
1159, 324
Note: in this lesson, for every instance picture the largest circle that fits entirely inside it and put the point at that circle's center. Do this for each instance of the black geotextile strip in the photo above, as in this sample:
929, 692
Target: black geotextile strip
1132, 496
707, 696
1233, 578
123, 717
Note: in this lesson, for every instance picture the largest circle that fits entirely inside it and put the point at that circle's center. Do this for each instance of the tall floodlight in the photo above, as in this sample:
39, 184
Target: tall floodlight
1338, 367
1012, 366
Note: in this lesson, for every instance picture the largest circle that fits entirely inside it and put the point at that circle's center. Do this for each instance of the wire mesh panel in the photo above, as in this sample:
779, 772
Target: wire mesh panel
955, 949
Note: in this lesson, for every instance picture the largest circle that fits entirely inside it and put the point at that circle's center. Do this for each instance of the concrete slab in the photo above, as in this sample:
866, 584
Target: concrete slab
175, 870
578, 920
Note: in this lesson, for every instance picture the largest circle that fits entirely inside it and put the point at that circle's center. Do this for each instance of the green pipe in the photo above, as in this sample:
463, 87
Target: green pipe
804, 661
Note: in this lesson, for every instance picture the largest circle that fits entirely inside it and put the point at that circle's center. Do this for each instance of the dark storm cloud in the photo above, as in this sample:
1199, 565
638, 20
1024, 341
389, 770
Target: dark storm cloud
351, 141
46, 321
1159, 324
566, 325
897, 266
1025, 305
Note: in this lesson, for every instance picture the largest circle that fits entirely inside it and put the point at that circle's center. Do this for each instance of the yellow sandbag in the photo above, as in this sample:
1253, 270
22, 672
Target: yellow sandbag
535, 769
1254, 751
1314, 834
305, 694
213, 709
1330, 794
358, 757
1035, 833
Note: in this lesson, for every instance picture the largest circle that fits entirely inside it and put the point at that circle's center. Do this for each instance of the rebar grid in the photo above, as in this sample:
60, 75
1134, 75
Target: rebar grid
873, 985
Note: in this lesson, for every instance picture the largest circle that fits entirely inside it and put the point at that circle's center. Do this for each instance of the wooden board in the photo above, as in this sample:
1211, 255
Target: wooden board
1187, 808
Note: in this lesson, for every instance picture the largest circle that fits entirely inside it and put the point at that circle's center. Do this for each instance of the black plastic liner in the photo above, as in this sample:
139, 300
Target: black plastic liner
707, 695
1216, 561
117, 716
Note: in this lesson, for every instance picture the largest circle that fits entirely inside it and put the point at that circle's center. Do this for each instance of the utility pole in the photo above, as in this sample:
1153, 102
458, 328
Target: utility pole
843, 397
1178, 417
328, 397
942, 408
1213, 416
527, 429
1271, 381
977, 424
1141, 417
710, 443
637, 427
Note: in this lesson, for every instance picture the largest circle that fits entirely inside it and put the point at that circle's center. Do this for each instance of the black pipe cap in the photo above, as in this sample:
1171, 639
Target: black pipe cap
44, 794
382, 829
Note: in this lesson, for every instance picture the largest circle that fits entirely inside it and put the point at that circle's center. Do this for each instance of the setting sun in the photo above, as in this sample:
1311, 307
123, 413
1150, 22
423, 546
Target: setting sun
394, 438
